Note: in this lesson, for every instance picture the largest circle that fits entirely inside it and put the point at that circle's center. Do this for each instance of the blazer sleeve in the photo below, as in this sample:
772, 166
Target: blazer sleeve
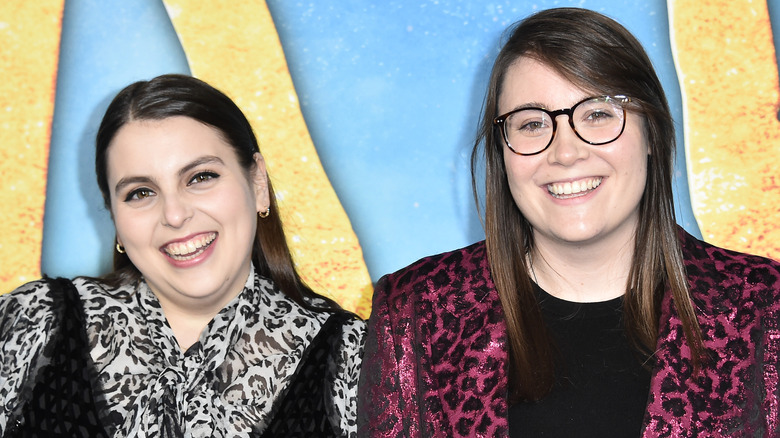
770, 350
388, 389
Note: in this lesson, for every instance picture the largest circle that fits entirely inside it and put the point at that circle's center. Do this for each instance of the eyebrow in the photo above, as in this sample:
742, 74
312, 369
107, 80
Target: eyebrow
533, 104
207, 159
526, 105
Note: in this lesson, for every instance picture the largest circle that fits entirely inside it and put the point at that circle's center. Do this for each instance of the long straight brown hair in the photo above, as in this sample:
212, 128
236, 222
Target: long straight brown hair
597, 54
178, 95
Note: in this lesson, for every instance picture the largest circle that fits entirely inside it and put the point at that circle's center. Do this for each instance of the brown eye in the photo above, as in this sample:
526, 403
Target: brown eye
203, 177
138, 194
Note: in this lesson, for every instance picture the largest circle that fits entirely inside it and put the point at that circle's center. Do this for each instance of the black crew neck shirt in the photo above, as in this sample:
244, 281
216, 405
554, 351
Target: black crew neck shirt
601, 387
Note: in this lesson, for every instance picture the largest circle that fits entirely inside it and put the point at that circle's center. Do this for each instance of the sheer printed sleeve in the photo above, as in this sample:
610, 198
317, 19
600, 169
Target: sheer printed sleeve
26, 323
387, 392
344, 372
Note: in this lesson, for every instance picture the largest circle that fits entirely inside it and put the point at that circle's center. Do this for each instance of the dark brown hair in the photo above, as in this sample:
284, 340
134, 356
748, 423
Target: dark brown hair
597, 54
178, 95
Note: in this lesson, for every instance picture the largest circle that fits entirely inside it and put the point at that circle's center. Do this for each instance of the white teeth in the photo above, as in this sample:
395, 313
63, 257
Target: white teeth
190, 249
573, 188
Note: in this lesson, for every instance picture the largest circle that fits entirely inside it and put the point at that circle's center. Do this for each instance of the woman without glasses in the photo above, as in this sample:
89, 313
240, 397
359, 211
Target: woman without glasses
586, 311
204, 328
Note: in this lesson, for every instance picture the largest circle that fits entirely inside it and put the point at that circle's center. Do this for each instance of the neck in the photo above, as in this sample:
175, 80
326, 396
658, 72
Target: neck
187, 328
189, 316
187, 322
582, 273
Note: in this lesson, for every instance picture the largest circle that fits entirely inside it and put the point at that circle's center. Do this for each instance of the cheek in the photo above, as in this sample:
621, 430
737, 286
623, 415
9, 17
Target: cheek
634, 176
237, 199
131, 226
232, 208
639, 161
518, 175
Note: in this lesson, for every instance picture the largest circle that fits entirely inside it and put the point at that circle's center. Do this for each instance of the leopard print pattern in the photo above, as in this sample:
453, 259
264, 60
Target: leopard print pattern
736, 394
26, 326
435, 359
225, 385
436, 352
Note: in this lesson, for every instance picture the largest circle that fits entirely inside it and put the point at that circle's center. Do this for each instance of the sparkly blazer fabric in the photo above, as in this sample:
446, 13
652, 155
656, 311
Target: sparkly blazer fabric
435, 358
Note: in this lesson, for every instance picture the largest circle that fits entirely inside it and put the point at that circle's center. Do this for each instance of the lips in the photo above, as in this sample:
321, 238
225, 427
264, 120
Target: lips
572, 189
189, 249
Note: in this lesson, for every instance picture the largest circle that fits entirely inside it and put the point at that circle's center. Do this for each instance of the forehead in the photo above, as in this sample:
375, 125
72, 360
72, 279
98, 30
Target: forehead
531, 82
142, 146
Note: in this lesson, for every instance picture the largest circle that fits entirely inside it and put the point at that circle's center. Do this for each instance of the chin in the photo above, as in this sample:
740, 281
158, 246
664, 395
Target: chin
575, 236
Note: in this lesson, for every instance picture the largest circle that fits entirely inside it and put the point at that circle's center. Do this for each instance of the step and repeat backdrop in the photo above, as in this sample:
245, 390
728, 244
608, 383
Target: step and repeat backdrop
366, 112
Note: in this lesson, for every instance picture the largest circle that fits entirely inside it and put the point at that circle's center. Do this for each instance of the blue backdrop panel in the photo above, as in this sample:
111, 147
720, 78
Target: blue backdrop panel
391, 93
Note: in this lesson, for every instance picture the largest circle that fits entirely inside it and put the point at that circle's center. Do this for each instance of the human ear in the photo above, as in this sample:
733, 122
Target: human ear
260, 182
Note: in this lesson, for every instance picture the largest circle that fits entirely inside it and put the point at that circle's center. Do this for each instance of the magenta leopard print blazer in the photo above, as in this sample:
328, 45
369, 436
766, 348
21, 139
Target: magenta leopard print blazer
435, 356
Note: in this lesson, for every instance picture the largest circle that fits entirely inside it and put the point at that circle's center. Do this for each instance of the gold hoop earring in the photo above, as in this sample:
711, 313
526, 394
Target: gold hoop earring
264, 214
119, 248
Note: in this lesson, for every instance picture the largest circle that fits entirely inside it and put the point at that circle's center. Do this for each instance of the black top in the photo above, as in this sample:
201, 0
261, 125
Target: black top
601, 388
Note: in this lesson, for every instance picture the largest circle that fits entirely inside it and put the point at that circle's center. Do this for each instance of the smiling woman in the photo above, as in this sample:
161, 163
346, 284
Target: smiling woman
186, 214
586, 311
204, 328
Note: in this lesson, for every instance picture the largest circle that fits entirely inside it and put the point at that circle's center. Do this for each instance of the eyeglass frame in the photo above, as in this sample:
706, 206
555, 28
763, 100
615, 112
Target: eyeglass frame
500, 122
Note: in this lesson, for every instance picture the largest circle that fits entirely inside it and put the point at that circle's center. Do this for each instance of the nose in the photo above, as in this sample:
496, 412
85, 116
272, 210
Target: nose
566, 148
175, 211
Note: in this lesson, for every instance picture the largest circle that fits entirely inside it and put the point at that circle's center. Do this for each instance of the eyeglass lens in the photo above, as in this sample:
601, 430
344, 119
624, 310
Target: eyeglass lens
599, 120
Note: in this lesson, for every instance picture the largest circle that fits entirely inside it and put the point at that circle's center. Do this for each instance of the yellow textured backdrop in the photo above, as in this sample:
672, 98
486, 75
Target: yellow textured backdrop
29, 49
727, 69
232, 45
235, 47
723, 51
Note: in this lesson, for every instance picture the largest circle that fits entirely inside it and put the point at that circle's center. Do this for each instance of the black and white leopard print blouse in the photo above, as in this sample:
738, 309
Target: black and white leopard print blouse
264, 366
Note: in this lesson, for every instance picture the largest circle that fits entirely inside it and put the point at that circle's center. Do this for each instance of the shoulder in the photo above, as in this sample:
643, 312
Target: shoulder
700, 255
279, 313
455, 282
33, 307
26, 317
346, 335
438, 271
343, 330
353, 331
97, 298
27, 320
716, 273
33, 300
29, 291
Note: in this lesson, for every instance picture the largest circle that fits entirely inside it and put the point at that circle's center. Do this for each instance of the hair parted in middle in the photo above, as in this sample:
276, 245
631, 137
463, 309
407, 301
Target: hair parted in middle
174, 95
600, 56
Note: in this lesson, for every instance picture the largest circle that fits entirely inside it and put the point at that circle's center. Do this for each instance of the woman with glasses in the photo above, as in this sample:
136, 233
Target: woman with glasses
586, 311
204, 328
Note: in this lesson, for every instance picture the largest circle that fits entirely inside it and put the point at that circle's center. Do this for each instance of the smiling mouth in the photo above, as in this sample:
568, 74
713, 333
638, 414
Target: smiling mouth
574, 188
182, 251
